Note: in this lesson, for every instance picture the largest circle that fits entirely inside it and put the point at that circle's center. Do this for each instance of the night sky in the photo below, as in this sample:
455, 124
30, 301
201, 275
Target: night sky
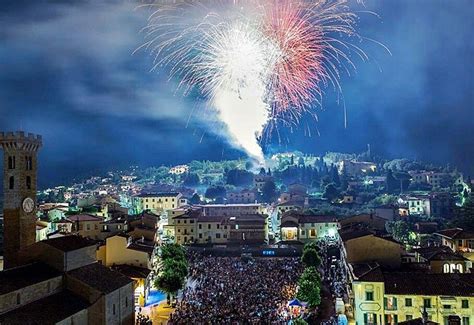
68, 73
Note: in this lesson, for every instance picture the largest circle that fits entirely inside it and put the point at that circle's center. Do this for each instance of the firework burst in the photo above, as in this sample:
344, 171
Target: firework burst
256, 61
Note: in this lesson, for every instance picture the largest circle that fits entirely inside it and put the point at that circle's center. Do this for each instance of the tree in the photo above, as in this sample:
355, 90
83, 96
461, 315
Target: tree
309, 287
178, 265
464, 216
400, 230
391, 184
331, 192
191, 179
214, 192
310, 258
169, 281
335, 176
269, 191
172, 251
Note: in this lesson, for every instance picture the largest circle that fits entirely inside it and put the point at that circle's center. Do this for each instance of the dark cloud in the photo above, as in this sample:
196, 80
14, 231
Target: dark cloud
68, 73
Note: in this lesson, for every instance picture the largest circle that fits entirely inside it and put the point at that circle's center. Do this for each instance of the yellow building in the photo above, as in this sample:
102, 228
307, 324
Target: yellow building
158, 202
381, 297
134, 259
121, 249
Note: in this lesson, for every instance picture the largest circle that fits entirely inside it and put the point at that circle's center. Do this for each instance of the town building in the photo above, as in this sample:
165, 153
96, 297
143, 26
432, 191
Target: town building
417, 204
86, 225
457, 239
158, 202
232, 209
243, 196
179, 170
58, 280
386, 297
354, 168
196, 227
441, 259
368, 221
260, 180
364, 246
300, 227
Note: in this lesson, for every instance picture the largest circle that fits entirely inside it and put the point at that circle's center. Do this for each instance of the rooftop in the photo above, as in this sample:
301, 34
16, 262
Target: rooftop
69, 243
456, 233
24, 276
49, 310
428, 284
160, 194
132, 271
84, 217
100, 277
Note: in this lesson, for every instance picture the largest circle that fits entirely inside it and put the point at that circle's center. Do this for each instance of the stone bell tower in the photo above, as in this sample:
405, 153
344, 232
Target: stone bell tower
19, 187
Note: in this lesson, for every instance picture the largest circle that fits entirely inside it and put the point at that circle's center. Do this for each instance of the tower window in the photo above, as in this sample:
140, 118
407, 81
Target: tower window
28, 182
29, 163
12, 183
11, 162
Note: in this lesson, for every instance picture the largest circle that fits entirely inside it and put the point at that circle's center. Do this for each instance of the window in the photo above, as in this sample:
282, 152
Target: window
11, 162
218, 226
409, 317
200, 226
465, 321
218, 236
427, 302
11, 182
390, 303
447, 306
18, 299
465, 303
126, 301
29, 163
200, 236
113, 309
88, 226
28, 182
408, 302
209, 226
191, 221
370, 319
369, 295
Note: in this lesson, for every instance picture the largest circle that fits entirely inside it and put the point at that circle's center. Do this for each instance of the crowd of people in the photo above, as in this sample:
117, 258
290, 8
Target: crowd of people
233, 290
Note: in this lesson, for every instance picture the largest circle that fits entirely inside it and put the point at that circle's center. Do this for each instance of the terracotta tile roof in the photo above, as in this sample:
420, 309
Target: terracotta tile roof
24, 276
100, 277
50, 310
69, 243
